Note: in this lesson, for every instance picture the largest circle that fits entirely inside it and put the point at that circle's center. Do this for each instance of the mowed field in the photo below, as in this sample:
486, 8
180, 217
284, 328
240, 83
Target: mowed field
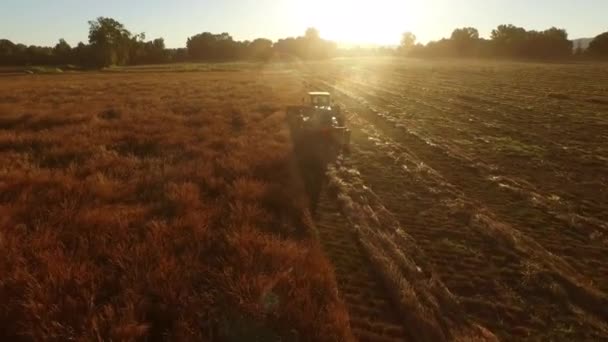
162, 204
496, 173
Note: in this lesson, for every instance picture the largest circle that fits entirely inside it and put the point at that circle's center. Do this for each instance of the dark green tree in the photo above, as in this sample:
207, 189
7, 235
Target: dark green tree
63, 52
110, 42
7, 52
599, 46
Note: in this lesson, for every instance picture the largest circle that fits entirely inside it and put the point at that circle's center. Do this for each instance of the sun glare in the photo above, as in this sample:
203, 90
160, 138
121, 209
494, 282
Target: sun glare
360, 22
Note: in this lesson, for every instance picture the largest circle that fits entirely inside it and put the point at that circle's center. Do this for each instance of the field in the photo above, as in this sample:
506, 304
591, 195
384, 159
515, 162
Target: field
159, 206
496, 174
167, 203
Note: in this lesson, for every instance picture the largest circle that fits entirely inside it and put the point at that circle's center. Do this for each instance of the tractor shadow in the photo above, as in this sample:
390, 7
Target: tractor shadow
313, 155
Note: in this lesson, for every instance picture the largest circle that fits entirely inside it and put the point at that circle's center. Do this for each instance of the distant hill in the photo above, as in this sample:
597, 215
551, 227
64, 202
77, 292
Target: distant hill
582, 42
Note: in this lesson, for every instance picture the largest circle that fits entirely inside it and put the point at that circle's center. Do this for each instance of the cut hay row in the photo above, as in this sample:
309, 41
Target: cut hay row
427, 309
371, 309
503, 279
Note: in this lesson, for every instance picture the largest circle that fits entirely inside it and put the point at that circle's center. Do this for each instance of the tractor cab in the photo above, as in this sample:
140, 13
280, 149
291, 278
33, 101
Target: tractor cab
320, 100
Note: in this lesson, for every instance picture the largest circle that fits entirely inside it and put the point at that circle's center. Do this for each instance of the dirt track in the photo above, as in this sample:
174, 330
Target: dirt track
518, 263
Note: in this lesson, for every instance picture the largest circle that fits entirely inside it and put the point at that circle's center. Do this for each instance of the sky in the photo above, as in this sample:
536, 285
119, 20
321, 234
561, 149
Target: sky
43, 22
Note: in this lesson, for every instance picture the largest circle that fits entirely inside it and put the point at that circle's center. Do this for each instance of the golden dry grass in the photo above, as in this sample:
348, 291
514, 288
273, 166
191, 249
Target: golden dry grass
157, 206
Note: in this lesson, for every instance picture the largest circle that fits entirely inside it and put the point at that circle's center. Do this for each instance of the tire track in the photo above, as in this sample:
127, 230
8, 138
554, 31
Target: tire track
372, 315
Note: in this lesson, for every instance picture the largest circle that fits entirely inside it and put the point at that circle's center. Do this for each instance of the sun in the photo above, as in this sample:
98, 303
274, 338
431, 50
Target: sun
360, 21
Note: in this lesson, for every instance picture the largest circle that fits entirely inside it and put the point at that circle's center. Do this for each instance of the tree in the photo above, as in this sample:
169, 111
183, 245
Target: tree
465, 34
287, 46
515, 41
209, 46
550, 43
312, 33
110, 41
157, 51
136, 47
83, 55
508, 32
178, 55
599, 46
408, 41
312, 46
7, 52
509, 40
464, 41
39, 55
260, 49
63, 52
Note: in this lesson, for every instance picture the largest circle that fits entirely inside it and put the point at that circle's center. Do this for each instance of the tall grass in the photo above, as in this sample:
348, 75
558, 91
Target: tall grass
156, 207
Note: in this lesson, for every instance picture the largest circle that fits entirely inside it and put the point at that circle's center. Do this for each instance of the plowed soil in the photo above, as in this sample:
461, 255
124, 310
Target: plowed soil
498, 173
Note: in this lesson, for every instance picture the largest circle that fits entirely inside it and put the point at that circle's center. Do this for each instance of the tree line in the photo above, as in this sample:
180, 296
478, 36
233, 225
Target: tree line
110, 43
506, 41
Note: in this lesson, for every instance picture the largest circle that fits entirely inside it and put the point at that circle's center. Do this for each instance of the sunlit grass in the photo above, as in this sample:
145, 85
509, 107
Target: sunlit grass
156, 206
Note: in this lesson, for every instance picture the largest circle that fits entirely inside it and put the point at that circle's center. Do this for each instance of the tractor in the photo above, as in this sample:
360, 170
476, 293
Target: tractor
319, 124
319, 134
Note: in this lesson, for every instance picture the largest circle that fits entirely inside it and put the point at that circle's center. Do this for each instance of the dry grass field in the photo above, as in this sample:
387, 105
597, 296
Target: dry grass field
166, 203
158, 206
